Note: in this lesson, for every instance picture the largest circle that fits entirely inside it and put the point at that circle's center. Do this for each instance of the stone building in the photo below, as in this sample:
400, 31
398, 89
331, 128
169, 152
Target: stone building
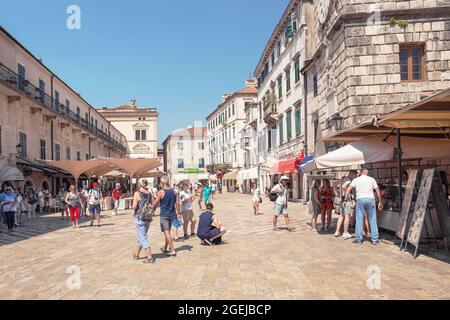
184, 154
224, 126
367, 58
138, 125
280, 131
47, 118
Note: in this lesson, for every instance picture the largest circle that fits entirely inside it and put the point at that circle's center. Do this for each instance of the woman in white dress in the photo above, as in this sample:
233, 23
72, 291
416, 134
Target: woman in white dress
256, 200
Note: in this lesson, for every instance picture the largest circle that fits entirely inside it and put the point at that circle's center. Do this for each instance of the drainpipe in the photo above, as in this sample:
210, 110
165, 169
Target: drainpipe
305, 99
51, 123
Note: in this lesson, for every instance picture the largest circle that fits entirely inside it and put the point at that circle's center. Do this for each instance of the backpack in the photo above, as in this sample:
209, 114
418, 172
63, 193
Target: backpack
146, 213
273, 196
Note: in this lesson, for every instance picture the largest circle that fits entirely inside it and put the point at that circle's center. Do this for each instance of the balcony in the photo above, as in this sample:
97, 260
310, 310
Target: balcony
44, 102
271, 116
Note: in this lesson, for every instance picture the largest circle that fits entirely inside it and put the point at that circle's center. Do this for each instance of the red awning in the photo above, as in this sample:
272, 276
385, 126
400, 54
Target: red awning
284, 167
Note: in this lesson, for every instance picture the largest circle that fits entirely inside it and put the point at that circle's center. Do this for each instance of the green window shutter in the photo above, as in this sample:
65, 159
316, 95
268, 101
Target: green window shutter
298, 122
281, 130
289, 125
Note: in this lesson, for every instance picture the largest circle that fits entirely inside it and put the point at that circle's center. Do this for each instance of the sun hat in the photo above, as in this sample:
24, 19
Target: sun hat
143, 184
117, 184
284, 178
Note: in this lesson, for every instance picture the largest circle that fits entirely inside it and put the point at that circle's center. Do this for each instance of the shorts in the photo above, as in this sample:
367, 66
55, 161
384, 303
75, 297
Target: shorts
207, 199
348, 210
94, 209
116, 204
280, 209
211, 233
187, 215
166, 223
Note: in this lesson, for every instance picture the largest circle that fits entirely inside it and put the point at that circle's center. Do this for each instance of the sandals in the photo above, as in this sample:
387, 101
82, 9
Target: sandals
148, 261
275, 229
135, 257
169, 254
292, 229
164, 251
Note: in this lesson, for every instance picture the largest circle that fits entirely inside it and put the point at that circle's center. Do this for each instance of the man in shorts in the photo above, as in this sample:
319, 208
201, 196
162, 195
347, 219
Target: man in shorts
116, 197
210, 230
169, 210
95, 199
281, 204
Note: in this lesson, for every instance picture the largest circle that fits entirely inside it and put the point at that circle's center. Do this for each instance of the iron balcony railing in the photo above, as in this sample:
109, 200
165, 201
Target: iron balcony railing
12, 79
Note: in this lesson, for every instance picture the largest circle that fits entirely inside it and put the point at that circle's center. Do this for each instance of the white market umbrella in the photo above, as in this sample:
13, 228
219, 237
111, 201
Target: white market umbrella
356, 153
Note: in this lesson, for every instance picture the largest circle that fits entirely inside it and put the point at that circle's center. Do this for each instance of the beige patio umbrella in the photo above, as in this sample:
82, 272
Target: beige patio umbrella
77, 168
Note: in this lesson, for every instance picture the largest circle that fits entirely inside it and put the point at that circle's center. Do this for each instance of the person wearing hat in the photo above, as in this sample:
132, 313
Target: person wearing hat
281, 204
116, 198
94, 200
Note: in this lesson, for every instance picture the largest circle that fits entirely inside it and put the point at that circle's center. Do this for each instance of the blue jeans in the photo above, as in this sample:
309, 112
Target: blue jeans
142, 230
366, 205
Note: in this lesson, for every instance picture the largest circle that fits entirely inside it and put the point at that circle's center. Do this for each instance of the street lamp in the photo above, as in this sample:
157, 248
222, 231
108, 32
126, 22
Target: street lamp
19, 149
336, 121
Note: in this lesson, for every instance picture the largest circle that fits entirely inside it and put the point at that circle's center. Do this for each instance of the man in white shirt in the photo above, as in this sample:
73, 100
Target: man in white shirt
365, 202
281, 203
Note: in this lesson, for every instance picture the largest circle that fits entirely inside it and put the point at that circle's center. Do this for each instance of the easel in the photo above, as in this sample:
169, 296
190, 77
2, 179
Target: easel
430, 189
410, 190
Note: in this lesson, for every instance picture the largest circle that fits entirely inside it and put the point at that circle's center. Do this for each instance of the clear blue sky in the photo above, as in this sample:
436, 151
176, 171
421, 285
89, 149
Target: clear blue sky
178, 56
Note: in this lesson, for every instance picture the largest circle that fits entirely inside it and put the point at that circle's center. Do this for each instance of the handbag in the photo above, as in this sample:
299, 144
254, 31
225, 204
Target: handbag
147, 211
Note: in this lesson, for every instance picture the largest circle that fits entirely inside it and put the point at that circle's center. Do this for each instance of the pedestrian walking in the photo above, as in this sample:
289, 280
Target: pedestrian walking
315, 204
116, 194
169, 210
9, 207
281, 203
213, 189
84, 195
256, 200
206, 193
73, 201
63, 207
20, 209
187, 211
32, 201
326, 204
94, 200
41, 200
345, 211
365, 202
198, 195
46, 200
142, 199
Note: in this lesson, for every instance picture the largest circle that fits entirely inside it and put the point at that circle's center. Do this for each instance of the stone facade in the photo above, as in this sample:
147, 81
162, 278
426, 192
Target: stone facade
224, 126
56, 125
356, 59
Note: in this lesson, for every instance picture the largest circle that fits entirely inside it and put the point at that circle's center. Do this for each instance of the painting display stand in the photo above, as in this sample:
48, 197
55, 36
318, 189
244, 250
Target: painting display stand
431, 203
410, 190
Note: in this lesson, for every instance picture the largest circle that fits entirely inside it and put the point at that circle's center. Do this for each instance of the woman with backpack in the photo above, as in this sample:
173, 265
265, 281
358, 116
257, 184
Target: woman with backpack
143, 212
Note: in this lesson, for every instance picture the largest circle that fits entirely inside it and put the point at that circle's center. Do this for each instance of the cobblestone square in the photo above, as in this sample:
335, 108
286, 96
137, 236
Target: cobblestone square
255, 263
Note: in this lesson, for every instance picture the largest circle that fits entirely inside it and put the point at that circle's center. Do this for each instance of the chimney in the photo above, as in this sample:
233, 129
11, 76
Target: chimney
133, 103
225, 96
251, 83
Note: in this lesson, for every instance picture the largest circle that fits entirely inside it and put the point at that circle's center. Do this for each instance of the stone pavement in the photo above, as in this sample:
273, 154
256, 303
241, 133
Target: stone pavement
41, 259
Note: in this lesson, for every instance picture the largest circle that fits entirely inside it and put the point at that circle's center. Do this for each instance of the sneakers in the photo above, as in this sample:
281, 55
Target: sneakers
113, 213
337, 234
376, 242
208, 242
186, 237
356, 241
347, 236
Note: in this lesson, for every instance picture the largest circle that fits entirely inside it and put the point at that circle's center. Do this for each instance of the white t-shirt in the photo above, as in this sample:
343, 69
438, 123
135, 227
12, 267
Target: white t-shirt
186, 203
364, 186
94, 197
282, 197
